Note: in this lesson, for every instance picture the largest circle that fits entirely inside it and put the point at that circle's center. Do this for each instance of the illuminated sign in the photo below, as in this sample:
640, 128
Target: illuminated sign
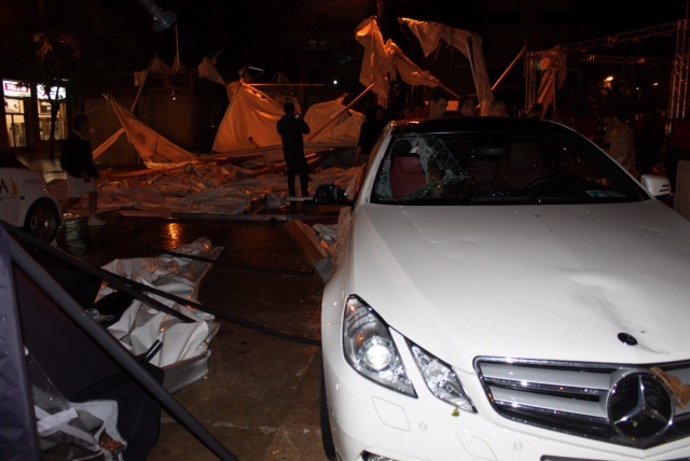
59, 90
15, 89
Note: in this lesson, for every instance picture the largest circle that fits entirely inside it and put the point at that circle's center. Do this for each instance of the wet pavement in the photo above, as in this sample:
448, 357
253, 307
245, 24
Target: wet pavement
260, 398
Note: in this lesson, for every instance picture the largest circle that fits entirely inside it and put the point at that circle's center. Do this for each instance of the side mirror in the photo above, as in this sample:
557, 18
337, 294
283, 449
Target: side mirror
331, 194
656, 185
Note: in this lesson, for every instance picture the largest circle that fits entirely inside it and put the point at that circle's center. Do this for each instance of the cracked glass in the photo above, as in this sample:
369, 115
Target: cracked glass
494, 168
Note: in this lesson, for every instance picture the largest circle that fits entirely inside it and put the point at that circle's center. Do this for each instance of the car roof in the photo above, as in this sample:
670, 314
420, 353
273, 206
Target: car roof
458, 123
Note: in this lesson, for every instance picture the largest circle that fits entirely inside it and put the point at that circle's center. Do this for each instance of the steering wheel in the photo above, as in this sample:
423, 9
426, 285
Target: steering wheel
541, 182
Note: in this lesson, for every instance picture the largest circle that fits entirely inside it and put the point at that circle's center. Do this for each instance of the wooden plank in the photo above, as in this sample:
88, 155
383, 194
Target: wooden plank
307, 239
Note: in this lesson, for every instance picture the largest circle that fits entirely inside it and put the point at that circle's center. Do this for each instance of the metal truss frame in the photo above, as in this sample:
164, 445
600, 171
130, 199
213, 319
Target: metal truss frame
678, 95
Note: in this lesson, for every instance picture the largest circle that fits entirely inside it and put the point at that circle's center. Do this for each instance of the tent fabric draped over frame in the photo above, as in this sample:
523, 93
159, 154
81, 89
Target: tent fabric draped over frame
383, 62
251, 118
553, 66
345, 129
249, 121
430, 35
155, 150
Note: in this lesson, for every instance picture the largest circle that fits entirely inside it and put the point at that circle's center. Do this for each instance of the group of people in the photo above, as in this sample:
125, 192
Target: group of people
637, 150
437, 107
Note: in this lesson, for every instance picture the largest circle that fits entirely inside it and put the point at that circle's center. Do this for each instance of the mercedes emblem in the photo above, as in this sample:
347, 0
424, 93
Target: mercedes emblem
639, 405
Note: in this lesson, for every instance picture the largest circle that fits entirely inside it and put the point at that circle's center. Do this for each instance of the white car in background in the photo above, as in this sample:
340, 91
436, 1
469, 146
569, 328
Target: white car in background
24, 199
505, 291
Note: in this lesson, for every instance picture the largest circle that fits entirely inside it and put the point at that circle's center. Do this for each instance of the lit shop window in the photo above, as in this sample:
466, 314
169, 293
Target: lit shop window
15, 96
44, 102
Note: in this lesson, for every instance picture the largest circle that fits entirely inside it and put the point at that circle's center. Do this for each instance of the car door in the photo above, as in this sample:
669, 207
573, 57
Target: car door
10, 193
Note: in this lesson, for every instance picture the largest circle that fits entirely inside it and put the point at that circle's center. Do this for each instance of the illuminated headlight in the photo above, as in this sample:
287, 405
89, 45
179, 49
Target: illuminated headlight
370, 350
440, 378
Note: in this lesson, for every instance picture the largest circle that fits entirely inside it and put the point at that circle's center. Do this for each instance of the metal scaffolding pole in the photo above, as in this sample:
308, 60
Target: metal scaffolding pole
678, 101
531, 77
679, 88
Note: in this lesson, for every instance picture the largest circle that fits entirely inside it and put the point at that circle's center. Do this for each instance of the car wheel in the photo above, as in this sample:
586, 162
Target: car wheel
326, 435
42, 221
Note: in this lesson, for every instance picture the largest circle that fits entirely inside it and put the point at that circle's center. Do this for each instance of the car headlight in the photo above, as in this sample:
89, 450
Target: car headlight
440, 378
370, 349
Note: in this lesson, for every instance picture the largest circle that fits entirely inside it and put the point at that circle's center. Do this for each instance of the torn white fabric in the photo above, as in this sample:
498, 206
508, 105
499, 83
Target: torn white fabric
252, 115
469, 44
47, 423
155, 150
141, 325
198, 188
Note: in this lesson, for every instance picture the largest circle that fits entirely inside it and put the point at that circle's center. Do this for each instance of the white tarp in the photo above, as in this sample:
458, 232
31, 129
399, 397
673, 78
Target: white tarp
248, 126
553, 68
384, 62
251, 118
155, 150
430, 35
201, 188
249, 122
207, 69
141, 325
344, 129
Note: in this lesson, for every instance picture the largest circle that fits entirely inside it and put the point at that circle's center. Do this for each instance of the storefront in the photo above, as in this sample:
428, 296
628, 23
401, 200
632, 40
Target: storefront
43, 98
27, 114
17, 97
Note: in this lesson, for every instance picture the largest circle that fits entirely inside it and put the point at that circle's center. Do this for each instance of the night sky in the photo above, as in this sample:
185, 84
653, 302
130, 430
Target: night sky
259, 32
117, 35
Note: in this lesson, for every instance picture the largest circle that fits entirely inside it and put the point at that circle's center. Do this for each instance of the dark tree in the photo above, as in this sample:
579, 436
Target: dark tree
57, 60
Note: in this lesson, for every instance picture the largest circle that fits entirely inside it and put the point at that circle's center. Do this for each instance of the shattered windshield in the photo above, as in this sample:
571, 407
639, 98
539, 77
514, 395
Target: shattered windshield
487, 168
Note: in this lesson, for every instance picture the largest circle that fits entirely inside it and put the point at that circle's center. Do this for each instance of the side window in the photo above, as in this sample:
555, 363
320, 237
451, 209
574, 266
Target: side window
571, 159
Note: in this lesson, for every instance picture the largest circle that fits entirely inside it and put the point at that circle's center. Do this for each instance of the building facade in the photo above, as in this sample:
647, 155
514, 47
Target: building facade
26, 124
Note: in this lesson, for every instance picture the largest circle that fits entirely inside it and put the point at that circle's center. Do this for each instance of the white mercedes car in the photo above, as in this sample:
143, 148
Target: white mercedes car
505, 291
24, 199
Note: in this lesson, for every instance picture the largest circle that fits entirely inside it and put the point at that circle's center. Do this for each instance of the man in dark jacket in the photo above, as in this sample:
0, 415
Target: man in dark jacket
291, 128
77, 161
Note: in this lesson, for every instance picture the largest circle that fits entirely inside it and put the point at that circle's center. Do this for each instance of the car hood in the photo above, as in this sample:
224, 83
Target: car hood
545, 282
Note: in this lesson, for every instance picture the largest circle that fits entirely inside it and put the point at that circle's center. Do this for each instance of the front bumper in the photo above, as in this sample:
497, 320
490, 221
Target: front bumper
366, 417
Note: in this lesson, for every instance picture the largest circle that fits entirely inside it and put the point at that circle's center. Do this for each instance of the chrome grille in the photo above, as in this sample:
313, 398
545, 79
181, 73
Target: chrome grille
570, 397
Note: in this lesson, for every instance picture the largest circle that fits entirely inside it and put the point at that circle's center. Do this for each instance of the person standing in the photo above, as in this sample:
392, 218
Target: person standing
438, 104
621, 140
76, 160
291, 128
535, 111
468, 107
498, 108
649, 139
677, 148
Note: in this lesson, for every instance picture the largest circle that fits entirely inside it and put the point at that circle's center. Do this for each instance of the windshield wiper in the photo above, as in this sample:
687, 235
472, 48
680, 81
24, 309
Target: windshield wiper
526, 199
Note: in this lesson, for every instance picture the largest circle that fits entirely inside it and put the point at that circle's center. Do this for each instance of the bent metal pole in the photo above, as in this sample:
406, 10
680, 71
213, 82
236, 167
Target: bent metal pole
345, 109
118, 353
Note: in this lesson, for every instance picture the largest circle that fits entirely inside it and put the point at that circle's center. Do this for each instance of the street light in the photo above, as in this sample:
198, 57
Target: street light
607, 84
161, 19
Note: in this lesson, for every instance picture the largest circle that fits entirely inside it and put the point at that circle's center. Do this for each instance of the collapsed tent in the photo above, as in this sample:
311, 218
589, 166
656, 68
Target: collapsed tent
251, 118
202, 189
90, 367
383, 62
249, 122
430, 35
553, 66
155, 150
331, 122
141, 327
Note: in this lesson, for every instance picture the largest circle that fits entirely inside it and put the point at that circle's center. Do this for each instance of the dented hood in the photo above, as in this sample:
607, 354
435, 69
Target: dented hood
544, 282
